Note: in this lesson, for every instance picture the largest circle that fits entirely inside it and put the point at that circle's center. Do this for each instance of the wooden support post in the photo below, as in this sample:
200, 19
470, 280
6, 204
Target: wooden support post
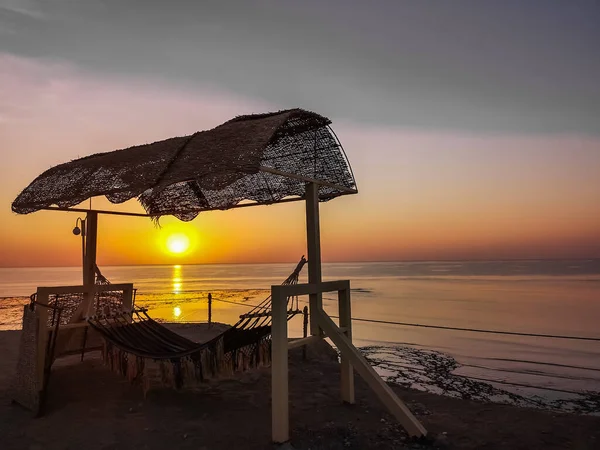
313, 241
304, 329
279, 367
347, 372
42, 298
83, 260
87, 307
209, 310
84, 343
91, 237
128, 302
302, 342
385, 393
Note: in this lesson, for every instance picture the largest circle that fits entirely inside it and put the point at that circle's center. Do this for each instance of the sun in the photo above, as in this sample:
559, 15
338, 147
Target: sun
178, 243
177, 240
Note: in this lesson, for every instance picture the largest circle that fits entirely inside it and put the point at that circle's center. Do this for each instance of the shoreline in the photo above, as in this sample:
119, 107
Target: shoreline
91, 407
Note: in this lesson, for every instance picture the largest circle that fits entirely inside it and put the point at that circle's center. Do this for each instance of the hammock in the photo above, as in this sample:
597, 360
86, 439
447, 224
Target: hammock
150, 354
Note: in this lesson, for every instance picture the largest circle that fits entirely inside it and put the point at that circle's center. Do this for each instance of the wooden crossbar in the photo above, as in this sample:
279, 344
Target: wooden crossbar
385, 393
293, 290
267, 314
83, 289
303, 341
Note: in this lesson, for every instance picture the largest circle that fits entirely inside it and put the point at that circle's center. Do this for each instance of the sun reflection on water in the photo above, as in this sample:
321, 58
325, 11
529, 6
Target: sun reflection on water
176, 312
177, 279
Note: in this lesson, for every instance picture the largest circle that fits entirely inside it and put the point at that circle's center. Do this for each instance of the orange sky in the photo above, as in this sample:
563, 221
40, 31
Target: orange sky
424, 194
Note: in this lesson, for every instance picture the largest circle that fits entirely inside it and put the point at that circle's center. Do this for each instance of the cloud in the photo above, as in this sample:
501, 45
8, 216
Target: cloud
28, 8
480, 66
439, 190
53, 112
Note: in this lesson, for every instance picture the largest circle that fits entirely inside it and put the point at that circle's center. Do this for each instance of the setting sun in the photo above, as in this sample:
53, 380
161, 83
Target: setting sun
178, 243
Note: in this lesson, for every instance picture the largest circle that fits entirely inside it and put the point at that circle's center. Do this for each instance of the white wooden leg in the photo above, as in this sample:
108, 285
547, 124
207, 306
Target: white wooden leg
279, 368
347, 372
313, 241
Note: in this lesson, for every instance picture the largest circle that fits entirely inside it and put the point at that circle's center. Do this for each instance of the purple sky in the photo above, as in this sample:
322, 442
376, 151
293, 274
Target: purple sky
479, 65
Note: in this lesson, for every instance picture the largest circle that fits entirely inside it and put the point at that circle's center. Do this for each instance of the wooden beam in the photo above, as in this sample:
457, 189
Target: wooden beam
279, 368
97, 211
308, 180
89, 268
124, 213
303, 341
387, 396
346, 370
91, 241
83, 261
293, 290
127, 302
69, 326
83, 289
313, 242
41, 347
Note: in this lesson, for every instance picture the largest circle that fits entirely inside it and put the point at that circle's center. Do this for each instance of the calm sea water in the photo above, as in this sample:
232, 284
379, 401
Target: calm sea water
545, 297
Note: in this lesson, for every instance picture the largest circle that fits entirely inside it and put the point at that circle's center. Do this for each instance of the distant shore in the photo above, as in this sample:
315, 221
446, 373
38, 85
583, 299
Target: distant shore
90, 407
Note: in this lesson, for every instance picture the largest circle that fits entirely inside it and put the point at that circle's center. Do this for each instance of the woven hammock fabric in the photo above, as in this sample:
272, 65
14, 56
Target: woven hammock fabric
147, 352
214, 169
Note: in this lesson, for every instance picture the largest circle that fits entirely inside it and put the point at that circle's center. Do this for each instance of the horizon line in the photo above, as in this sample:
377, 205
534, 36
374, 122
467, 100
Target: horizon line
323, 262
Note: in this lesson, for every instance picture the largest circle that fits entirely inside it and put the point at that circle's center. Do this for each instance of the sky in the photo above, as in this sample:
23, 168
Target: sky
472, 127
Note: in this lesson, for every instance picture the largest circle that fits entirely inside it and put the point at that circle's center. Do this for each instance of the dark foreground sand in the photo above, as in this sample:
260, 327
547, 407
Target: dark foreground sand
92, 408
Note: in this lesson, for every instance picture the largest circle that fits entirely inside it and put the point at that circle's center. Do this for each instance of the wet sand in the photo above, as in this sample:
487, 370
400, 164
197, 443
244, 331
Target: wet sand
90, 407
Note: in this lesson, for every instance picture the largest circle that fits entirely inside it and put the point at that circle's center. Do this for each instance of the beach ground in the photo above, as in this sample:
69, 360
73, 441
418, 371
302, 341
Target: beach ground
90, 407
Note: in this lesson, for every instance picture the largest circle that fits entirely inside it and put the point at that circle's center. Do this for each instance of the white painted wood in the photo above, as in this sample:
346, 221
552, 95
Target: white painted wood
69, 326
42, 335
91, 237
303, 341
89, 268
47, 290
279, 368
292, 290
128, 301
83, 259
346, 370
387, 396
313, 242
308, 179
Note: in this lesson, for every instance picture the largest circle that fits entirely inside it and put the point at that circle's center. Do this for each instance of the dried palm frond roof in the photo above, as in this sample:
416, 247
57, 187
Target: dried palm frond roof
263, 158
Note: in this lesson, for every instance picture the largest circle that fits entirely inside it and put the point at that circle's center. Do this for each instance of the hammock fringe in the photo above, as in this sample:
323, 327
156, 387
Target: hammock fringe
151, 355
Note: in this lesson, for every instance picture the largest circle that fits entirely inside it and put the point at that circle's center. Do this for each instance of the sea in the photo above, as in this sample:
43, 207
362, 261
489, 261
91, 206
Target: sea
397, 307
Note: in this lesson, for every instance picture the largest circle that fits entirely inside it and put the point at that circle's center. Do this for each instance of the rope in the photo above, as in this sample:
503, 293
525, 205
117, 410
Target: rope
442, 327
240, 303
438, 327
510, 383
474, 330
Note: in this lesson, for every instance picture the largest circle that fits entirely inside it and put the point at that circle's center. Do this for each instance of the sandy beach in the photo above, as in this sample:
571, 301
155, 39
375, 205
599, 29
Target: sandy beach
93, 408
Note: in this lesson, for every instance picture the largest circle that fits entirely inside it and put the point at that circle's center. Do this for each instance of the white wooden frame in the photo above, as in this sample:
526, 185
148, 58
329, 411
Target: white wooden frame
69, 331
351, 358
86, 309
321, 325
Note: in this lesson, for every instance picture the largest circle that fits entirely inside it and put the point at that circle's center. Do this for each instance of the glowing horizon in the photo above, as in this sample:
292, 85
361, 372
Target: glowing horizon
424, 195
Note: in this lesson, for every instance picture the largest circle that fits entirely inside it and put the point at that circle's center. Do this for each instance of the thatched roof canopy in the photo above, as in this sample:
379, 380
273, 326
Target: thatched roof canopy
262, 158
